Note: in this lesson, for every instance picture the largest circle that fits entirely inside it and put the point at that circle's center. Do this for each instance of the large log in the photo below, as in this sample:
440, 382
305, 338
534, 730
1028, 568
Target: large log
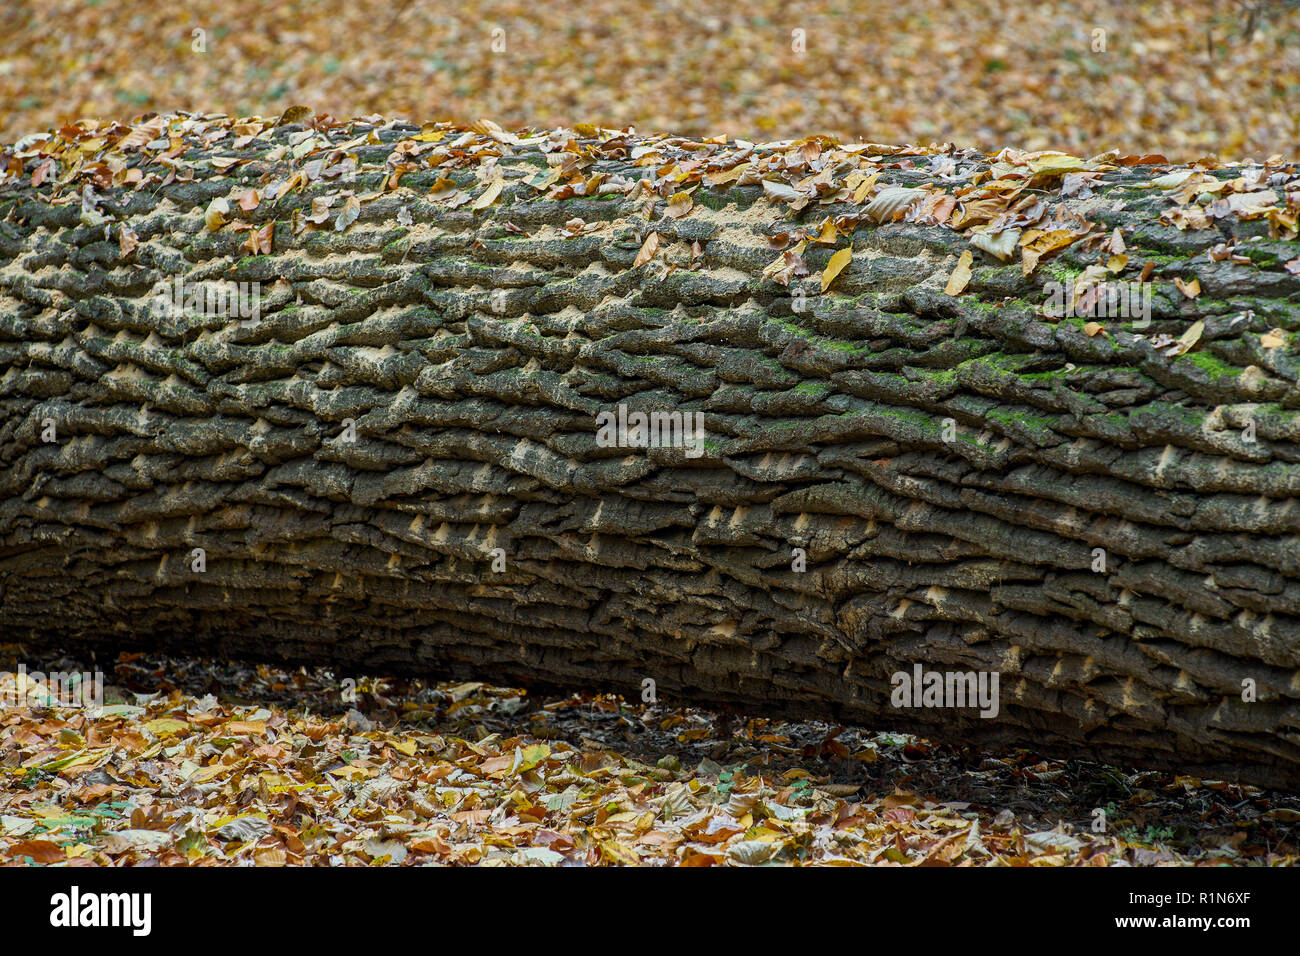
1102, 517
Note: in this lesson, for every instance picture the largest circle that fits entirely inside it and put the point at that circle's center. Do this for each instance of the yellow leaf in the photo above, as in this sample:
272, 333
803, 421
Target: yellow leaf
614, 853
829, 235
1190, 337
215, 214
489, 195
1116, 263
295, 114
349, 772
1273, 339
860, 191
209, 773
78, 759
836, 266
166, 725
727, 175
1035, 244
1190, 289
532, 756
1056, 163
960, 275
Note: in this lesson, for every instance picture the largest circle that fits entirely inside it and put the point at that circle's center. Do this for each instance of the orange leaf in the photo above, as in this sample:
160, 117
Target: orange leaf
41, 851
648, 250
245, 727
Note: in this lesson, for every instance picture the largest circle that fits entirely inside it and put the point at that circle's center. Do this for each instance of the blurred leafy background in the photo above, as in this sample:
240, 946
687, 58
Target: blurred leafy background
1188, 79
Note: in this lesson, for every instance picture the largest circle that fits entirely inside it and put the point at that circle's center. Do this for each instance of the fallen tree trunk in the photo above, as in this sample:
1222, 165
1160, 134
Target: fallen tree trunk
397, 464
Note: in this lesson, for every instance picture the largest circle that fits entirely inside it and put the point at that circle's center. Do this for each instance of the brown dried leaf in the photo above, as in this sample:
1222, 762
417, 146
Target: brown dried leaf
348, 214
648, 250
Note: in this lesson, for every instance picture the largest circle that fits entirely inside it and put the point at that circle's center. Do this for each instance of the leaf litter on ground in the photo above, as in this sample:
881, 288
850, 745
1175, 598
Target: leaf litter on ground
200, 763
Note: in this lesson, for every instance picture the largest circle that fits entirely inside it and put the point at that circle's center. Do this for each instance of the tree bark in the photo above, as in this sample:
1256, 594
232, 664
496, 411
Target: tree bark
1109, 528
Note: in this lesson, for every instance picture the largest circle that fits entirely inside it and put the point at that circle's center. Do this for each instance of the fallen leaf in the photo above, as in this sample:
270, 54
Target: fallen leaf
236, 727
836, 265
1001, 244
1050, 839
259, 240
127, 241
489, 195
243, 829
890, 204
1056, 164
752, 852
295, 114
166, 725
215, 214
648, 250
348, 214
781, 191
679, 205
1188, 339
41, 851
961, 274
386, 851
123, 841
613, 852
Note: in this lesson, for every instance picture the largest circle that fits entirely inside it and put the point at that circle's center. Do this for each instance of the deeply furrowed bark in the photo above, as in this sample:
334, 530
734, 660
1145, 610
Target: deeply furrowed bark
474, 360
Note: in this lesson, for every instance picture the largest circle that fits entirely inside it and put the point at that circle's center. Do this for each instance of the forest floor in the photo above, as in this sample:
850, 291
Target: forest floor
202, 763
1185, 79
